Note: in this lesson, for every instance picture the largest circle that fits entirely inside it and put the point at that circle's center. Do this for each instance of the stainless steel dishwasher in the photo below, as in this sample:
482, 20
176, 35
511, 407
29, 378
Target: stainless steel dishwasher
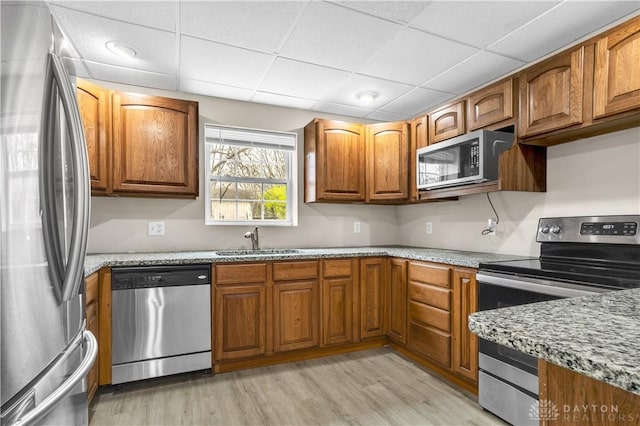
161, 321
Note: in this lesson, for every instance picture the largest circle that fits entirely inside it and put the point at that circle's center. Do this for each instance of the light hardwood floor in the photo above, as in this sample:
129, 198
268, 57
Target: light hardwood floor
373, 387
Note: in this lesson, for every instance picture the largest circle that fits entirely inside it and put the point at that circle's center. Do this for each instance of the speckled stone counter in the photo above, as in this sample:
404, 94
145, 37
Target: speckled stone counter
94, 262
598, 336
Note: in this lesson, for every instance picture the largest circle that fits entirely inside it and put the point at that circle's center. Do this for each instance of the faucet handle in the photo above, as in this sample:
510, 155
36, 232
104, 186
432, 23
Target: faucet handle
248, 234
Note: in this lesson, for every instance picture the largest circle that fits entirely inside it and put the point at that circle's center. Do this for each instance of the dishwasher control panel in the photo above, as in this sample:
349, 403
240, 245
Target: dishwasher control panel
124, 278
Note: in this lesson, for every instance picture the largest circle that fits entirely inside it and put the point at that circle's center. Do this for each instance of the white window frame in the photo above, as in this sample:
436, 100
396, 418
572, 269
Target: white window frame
260, 138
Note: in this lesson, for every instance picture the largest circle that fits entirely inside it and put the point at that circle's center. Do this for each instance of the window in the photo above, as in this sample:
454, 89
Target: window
250, 176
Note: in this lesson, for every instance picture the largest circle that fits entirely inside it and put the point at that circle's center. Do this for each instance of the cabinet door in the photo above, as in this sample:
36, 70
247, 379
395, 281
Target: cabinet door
446, 122
240, 321
551, 94
465, 343
340, 161
373, 298
490, 105
155, 146
419, 139
617, 71
387, 161
95, 110
91, 315
398, 300
337, 315
295, 315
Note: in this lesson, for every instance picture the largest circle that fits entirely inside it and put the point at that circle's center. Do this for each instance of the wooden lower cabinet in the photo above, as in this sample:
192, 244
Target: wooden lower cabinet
398, 300
373, 297
296, 315
339, 303
464, 361
91, 315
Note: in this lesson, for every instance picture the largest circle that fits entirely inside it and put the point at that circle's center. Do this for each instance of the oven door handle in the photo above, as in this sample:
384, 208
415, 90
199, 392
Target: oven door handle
538, 285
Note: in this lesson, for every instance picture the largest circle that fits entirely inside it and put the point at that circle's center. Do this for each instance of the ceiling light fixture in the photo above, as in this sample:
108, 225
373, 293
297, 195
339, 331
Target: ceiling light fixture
367, 97
121, 49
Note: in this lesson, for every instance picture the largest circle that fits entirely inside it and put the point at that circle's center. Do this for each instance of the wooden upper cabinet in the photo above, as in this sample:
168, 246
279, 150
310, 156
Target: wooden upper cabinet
551, 94
617, 71
334, 161
388, 161
447, 122
419, 138
95, 110
155, 145
490, 105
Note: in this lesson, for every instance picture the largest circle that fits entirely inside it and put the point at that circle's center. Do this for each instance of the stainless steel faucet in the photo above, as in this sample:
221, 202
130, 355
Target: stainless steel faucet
255, 243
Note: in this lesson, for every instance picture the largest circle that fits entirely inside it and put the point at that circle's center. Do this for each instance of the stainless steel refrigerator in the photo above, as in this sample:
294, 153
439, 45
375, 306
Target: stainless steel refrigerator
46, 351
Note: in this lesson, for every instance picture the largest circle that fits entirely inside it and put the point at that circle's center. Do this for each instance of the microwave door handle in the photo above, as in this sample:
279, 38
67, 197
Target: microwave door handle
81, 193
49, 403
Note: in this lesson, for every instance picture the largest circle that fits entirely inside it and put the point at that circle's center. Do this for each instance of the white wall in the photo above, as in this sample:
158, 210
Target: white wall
119, 224
600, 175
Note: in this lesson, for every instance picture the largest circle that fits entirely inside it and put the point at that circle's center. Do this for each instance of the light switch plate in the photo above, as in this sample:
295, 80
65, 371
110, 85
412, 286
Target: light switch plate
156, 228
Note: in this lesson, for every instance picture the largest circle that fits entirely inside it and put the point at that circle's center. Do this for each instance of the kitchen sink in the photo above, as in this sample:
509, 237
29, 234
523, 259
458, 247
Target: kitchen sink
250, 252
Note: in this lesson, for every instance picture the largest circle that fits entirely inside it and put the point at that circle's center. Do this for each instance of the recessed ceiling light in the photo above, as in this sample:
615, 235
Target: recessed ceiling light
367, 97
121, 49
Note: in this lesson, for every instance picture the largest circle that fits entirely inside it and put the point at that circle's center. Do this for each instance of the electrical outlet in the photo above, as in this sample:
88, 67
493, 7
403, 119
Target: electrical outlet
156, 228
491, 226
429, 228
356, 227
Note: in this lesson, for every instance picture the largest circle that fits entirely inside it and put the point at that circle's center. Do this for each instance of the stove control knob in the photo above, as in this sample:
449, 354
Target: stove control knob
545, 229
555, 229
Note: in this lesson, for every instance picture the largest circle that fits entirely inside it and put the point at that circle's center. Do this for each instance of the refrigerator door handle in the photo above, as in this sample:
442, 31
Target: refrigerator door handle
72, 277
47, 404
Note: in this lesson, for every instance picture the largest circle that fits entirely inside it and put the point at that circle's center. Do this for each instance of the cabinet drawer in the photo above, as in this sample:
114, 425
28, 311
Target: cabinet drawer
429, 274
430, 343
240, 273
430, 316
287, 271
431, 295
337, 268
91, 289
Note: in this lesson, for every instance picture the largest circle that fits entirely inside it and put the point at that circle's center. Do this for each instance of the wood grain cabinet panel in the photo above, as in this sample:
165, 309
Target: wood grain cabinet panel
465, 344
431, 343
428, 273
155, 145
92, 318
431, 295
337, 302
490, 105
94, 103
240, 273
447, 122
287, 271
617, 71
398, 300
334, 161
373, 297
296, 315
240, 321
387, 161
419, 138
551, 94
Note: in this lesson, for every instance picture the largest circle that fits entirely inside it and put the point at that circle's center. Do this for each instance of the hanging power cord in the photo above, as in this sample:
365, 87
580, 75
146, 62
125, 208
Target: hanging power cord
490, 228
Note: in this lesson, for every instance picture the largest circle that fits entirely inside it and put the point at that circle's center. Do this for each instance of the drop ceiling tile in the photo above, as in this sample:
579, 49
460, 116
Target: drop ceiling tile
221, 64
154, 14
417, 101
337, 37
399, 11
340, 109
560, 26
478, 23
89, 34
293, 78
486, 66
256, 25
414, 57
133, 77
388, 116
282, 100
346, 92
216, 90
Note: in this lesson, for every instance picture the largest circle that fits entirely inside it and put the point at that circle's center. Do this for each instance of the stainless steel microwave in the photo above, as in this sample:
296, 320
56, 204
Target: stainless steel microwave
463, 160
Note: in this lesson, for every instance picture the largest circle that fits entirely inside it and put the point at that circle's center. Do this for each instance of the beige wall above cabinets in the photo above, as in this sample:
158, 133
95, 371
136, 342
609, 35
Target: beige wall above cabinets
139, 145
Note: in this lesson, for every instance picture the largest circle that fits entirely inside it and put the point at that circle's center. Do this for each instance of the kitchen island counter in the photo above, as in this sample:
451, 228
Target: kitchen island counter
94, 262
597, 335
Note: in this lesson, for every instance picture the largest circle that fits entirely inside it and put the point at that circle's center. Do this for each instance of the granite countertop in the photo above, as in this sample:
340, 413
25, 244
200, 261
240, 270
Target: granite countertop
94, 262
598, 335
